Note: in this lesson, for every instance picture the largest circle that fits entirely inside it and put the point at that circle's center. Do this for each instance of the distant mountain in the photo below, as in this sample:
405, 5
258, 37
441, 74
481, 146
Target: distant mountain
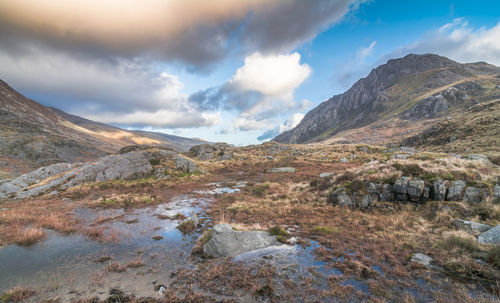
33, 135
398, 99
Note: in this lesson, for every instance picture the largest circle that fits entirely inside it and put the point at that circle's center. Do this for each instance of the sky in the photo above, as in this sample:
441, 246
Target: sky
236, 71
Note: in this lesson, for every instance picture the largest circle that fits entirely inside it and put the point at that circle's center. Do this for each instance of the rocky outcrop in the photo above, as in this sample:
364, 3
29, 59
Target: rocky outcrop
216, 151
227, 242
281, 170
128, 166
408, 189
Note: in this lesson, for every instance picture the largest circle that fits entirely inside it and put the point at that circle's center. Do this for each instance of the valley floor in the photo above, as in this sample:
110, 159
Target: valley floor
125, 241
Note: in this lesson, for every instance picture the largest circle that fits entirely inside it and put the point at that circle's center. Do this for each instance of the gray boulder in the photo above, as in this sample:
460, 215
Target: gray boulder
456, 190
473, 194
496, 191
281, 170
185, 165
401, 189
415, 189
326, 175
422, 259
339, 197
226, 242
440, 189
384, 192
472, 226
216, 151
343, 160
491, 236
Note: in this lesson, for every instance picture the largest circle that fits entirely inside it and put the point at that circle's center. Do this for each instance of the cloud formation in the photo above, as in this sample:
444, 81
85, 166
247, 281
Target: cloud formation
290, 123
196, 33
263, 87
457, 40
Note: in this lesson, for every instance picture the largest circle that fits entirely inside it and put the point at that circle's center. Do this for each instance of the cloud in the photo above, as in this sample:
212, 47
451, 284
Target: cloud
196, 33
290, 123
119, 91
355, 67
457, 40
262, 88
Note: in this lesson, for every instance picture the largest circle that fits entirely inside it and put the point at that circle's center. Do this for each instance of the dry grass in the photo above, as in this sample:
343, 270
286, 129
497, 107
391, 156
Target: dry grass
17, 294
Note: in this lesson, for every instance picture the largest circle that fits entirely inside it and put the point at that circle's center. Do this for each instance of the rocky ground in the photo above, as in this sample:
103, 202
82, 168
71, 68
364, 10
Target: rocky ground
267, 223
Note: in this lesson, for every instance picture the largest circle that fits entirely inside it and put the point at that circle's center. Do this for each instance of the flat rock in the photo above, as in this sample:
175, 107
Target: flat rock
472, 226
281, 170
227, 242
326, 175
422, 259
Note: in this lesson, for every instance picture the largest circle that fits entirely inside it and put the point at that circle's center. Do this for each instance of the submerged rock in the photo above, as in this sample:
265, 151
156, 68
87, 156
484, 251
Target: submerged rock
227, 242
491, 236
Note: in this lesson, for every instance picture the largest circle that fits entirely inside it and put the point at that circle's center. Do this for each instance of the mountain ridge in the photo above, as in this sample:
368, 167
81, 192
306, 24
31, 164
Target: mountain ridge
393, 89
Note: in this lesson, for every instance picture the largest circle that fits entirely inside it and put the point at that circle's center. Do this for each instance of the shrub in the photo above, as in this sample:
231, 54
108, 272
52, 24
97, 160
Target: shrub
154, 162
320, 184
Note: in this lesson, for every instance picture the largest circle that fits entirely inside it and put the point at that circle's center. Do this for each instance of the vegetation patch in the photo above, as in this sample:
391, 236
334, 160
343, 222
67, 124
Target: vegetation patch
16, 295
281, 234
187, 227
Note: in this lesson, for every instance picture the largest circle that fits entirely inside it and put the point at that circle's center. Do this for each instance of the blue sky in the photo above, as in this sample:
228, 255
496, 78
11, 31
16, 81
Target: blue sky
230, 76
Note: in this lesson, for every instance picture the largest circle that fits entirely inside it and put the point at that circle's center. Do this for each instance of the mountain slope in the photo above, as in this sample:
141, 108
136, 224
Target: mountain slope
405, 91
33, 135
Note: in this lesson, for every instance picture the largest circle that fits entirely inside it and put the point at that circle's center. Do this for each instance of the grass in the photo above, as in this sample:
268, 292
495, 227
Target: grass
187, 227
16, 295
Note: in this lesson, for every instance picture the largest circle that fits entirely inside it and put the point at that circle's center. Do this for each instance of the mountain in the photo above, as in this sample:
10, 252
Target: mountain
398, 99
33, 135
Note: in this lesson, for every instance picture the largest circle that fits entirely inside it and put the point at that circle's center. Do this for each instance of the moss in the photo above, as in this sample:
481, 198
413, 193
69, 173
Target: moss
154, 162
281, 234
187, 227
354, 186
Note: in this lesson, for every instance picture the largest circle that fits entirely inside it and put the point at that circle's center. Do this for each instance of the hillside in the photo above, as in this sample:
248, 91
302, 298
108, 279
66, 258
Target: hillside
33, 135
398, 99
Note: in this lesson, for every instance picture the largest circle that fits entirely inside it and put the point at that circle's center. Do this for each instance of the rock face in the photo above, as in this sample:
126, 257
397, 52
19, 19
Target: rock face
128, 166
372, 97
216, 151
227, 242
456, 190
491, 236
472, 226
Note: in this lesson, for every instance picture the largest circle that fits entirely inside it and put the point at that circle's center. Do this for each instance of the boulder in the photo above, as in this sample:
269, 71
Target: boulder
422, 259
415, 189
491, 236
185, 165
473, 194
326, 175
343, 160
216, 151
339, 197
401, 189
383, 191
281, 170
456, 190
496, 191
472, 226
440, 189
227, 242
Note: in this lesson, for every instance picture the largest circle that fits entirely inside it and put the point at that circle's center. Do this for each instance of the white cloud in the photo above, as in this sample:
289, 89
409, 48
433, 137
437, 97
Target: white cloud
457, 40
291, 122
275, 76
365, 52
249, 123
355, 67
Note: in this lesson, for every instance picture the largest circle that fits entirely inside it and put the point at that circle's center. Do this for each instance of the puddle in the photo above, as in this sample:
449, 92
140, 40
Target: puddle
65, 265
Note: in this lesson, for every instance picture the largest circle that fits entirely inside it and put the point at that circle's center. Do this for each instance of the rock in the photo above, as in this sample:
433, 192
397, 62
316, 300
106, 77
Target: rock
473, 194
226, 242
185, 165
478, 157
326, 175
367, 201
401, 189
440, 189
491, 236
496, 191
422, 259
339, 197
383, 191
217, 151
343, 160
269, 158
400, 156
281, 170
415, 189
408, 150
455, 191
472, 226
